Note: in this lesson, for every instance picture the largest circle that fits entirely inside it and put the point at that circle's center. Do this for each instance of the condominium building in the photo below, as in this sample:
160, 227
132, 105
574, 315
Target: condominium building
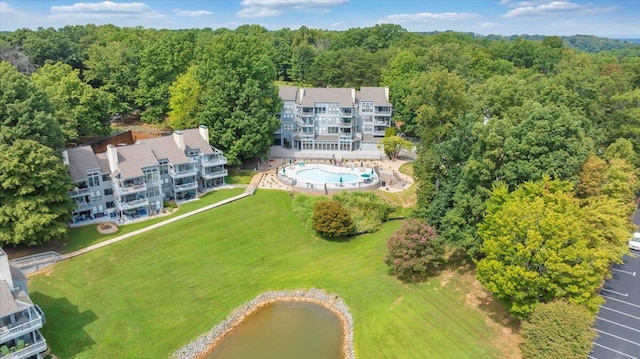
333, 119
20, 319
133, 181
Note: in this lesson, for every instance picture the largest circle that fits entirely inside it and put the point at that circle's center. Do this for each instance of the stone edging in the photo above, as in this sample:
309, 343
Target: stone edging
332, 302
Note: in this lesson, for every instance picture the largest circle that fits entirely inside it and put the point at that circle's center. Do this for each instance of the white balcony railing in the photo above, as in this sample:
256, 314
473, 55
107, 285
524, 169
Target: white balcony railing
216, 174
131, 204
84, 205
7, 333
30, 349
210, 162
123, 190
79, 192
183, 173
185, 186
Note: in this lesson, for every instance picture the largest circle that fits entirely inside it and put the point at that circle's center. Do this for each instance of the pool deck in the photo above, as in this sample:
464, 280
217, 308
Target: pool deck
270, 180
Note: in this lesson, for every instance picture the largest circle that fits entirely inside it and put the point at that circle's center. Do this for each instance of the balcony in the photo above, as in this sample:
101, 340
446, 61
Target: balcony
345, 124
23, 327
185, 186
383, 111
381, 123
79, 192
183, 173
306, 113
31, 347
216, 174
213, 161
124, 190
367, 118
302, 123
345, 134
131, 204
84, 205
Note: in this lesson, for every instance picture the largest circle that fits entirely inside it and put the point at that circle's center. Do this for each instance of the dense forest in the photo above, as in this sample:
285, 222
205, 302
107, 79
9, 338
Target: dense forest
510, 129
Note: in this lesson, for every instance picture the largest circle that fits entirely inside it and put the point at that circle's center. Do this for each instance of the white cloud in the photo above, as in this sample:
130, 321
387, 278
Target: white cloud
102, 10
266, 8
528, 9
192, 13
5, 8
427, 16
488, 25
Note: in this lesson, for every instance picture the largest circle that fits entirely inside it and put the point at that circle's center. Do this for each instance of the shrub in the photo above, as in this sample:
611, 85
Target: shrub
368, 211
303, 208
414, 250
558, 329
331, 219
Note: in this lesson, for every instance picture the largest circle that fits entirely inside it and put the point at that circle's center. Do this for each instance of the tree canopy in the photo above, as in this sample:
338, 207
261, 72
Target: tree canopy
34, 205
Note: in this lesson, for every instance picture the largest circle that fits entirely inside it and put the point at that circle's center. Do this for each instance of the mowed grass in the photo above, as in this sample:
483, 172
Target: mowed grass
148, 296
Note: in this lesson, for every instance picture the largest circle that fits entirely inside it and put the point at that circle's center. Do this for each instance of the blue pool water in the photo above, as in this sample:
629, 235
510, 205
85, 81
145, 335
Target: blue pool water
322, 176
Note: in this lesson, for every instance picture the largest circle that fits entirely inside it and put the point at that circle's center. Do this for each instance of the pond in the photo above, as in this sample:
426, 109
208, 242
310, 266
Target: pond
284, 329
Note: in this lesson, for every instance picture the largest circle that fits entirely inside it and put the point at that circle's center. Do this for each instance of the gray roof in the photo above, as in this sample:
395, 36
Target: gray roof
104, 162
166, 147
375, 94
16, 273
132, 158
193, 140
81, 159
320, 94
7, 303
288, 93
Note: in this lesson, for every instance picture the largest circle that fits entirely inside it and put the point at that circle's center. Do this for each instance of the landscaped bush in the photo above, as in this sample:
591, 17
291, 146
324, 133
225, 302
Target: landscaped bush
332, 220
414, 250
367, 210
303, 208
558, 329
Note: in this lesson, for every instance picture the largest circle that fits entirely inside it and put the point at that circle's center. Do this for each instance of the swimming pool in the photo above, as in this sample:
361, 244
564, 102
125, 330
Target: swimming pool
323, 176
320, 175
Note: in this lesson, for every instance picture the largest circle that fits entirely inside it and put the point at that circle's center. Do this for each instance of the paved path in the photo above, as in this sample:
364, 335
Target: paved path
247, 192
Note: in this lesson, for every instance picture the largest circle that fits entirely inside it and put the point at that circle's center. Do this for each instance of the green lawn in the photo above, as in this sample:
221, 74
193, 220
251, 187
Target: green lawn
147, 296
82, 237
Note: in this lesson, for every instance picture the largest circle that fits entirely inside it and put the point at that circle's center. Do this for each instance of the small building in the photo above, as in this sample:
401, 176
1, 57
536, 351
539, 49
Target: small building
20, 319
332, 119
131, 182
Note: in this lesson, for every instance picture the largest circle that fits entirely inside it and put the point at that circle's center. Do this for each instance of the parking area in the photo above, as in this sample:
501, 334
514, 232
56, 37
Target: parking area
618, 322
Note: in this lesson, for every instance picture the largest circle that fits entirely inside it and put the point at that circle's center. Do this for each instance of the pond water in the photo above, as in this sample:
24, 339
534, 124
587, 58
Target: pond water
280, 330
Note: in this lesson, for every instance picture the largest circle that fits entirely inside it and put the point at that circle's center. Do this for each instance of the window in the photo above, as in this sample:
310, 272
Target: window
110, 204
367, 107
333, 130
153, 191
105, 178
93, 179
151, 176
108, 192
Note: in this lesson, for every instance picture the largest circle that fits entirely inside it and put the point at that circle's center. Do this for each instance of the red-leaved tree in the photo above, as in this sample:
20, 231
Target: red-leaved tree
414, 250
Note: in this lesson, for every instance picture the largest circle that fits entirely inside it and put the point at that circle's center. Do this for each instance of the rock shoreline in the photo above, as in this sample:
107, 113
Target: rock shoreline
203, 344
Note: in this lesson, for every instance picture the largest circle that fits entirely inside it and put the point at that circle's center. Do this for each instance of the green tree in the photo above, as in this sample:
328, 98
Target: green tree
558, 329
79, 109
332, 220
414, 250
302, 59
367, 211
25, 112
538, 248
239, 98
184, 100
34, 205
393, 145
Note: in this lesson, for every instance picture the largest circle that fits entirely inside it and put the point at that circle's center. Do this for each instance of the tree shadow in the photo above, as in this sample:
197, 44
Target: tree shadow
64, 327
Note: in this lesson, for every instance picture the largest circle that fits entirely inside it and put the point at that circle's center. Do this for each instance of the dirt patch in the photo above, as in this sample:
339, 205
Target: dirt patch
445, 277
507, 328
396, 302
107, 228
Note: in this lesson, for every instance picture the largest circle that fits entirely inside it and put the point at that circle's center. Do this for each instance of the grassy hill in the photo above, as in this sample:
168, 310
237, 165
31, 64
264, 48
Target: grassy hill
147, 296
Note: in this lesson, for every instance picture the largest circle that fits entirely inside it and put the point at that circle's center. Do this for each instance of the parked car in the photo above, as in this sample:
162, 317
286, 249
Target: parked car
634, 242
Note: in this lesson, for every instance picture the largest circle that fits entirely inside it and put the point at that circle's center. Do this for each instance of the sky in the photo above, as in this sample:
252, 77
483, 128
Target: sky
605, 18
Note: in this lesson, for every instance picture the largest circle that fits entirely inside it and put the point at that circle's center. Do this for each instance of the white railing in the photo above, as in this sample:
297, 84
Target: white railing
8, 333
183, 173
30, 349
122, 190
79, 192
214, 161
216, 174
186, 186
84, 205
132, 204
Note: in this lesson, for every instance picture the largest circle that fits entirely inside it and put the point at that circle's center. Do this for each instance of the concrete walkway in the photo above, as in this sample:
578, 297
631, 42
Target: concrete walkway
247, 192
